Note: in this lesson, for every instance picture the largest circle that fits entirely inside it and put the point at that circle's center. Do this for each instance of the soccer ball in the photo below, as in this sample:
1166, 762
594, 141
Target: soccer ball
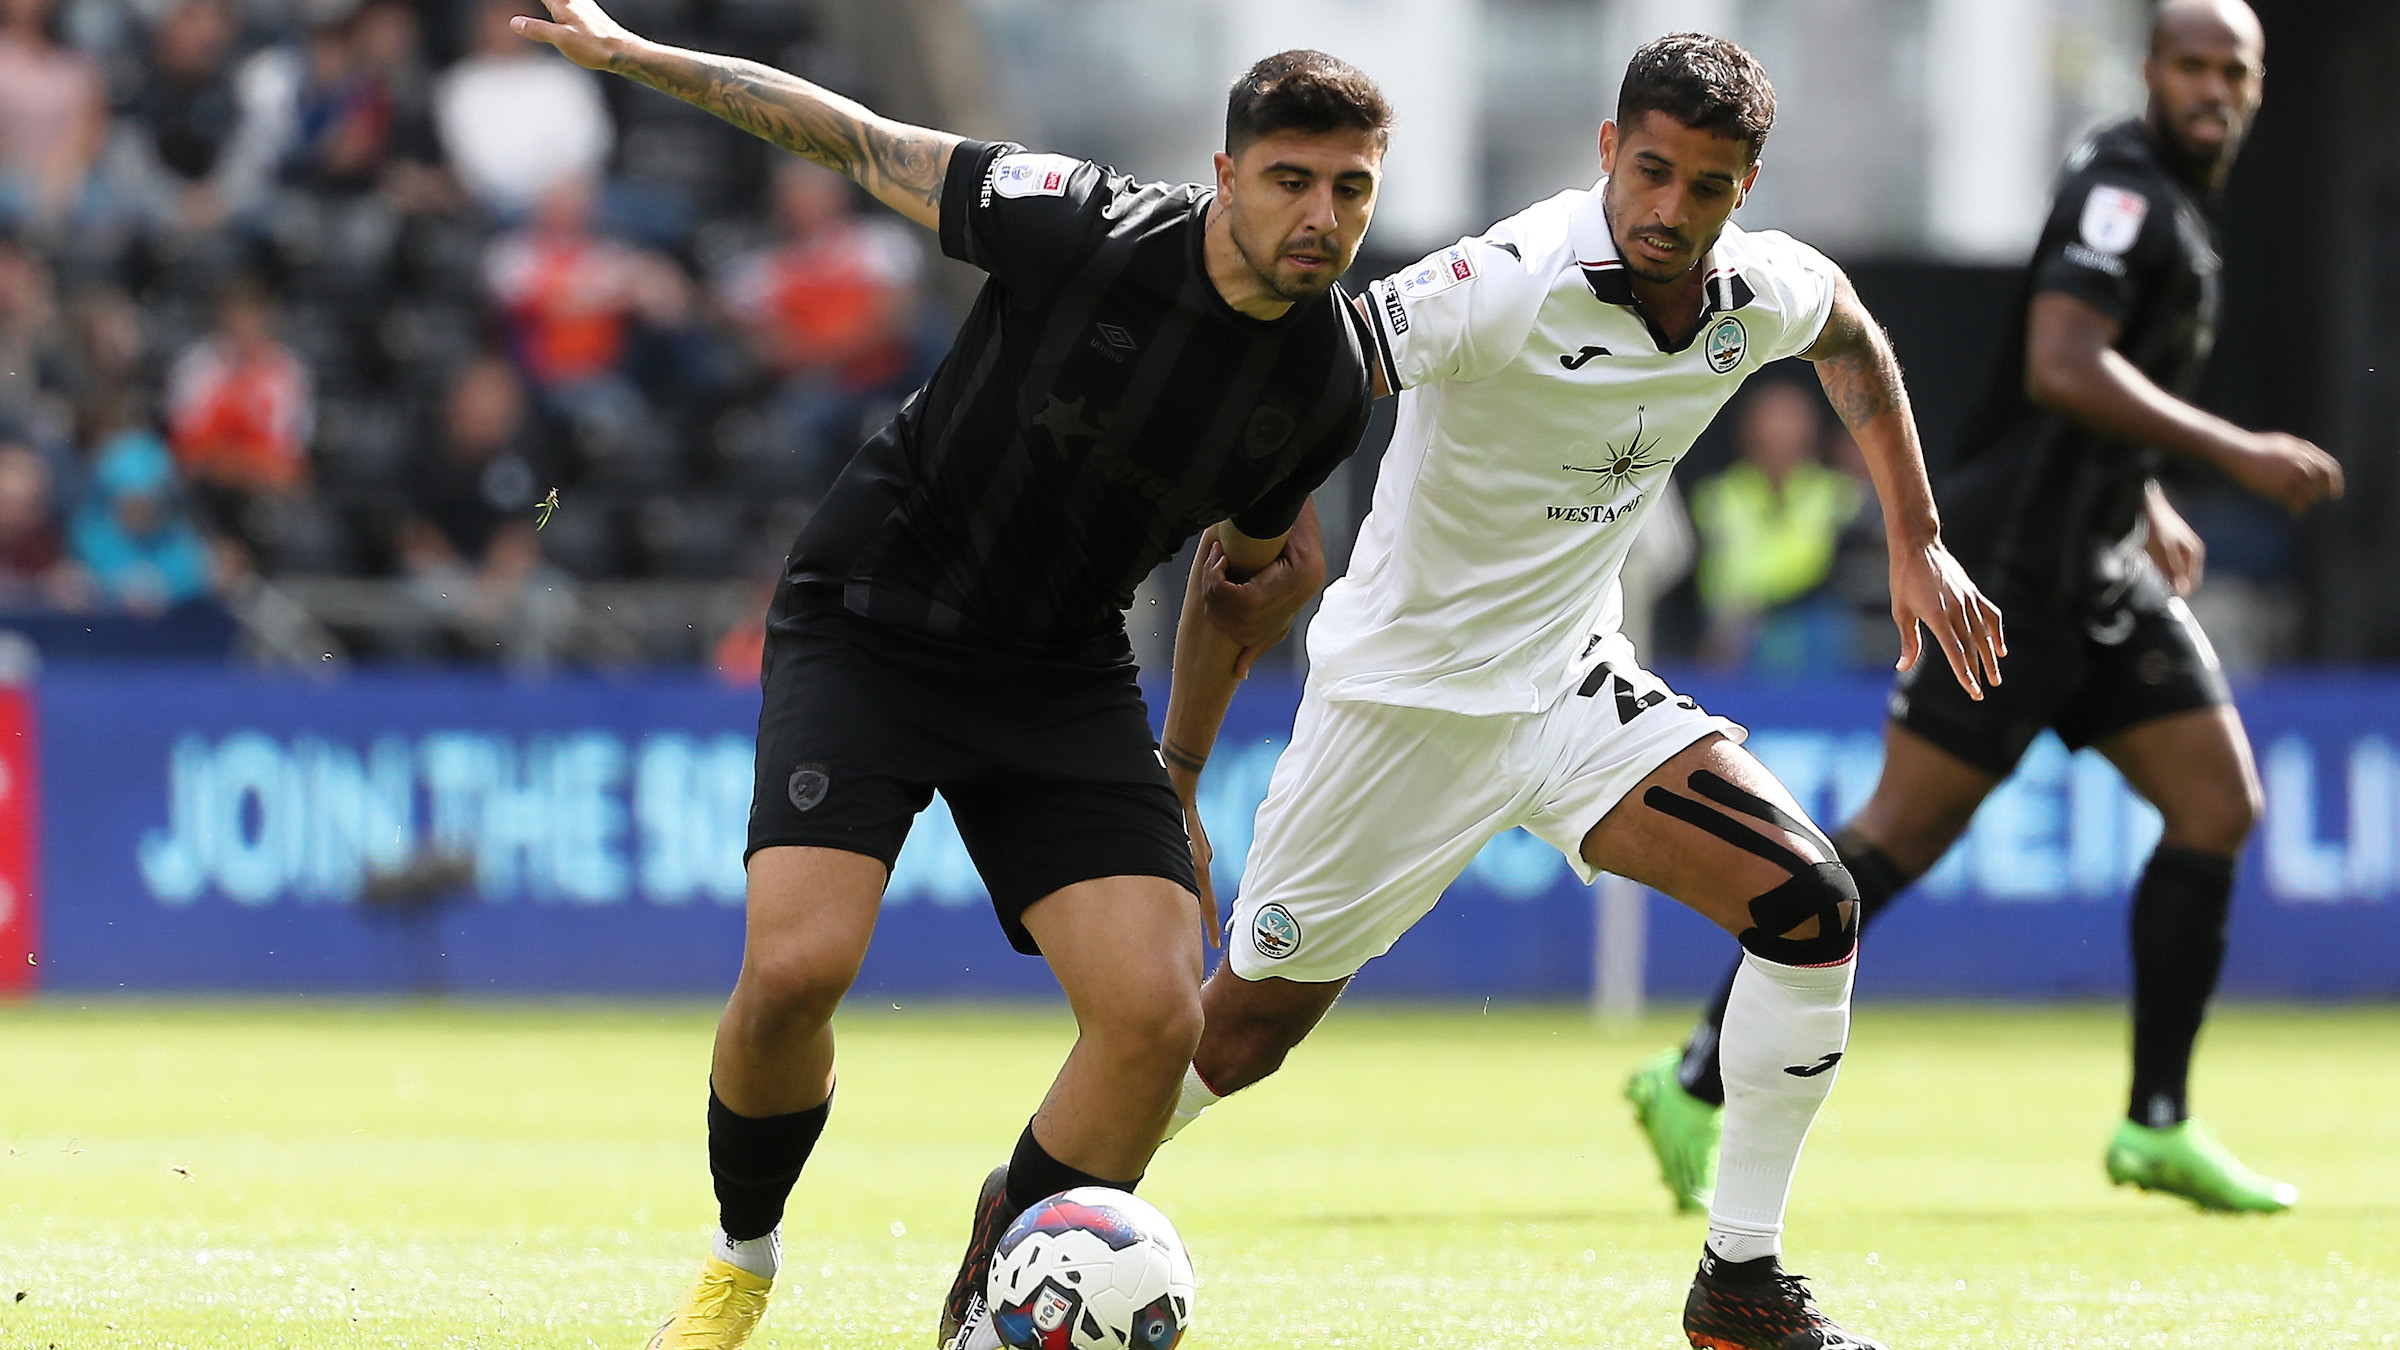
1090, 1269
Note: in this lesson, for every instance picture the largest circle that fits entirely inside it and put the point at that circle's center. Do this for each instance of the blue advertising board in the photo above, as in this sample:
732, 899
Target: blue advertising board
212, 830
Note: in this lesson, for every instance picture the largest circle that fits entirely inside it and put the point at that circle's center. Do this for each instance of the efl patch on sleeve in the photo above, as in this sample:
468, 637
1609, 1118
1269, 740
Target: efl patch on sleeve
1032, 175
1438, 273
2112, 218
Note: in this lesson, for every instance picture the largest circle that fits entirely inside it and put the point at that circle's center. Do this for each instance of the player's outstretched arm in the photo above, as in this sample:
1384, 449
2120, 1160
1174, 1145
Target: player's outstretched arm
901, 165
2072, 366
1862, 379
1257, 586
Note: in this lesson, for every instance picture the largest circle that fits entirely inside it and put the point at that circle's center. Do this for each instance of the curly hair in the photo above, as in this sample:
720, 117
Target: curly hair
1706, 83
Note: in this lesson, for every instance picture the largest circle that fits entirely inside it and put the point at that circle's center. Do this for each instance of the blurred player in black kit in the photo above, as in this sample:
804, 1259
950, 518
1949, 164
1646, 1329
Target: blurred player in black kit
1146, 362
2054, 508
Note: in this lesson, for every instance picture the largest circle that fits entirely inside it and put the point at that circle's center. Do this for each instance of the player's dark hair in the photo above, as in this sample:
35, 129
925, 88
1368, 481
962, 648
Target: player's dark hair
1706, 83
1304, 91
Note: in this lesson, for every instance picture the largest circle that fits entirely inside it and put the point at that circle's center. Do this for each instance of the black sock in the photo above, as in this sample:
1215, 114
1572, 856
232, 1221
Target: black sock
1878, 879
755, 1160
1702, 1072
2179, 913
1035, 1176
1877, 876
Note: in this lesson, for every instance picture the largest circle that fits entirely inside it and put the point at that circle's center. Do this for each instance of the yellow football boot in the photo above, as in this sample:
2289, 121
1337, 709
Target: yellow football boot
718, 1312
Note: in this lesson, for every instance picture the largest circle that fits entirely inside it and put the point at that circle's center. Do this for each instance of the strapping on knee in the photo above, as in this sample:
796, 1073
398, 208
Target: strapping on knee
1824, 893
1818, 893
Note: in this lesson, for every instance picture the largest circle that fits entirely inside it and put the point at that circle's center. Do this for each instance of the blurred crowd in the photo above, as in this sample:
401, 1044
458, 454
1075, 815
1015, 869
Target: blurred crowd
1771, 562
351, 287
1792, 576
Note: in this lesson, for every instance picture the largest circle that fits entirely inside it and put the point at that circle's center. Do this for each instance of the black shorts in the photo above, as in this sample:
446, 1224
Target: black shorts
1048, 763
2139, 658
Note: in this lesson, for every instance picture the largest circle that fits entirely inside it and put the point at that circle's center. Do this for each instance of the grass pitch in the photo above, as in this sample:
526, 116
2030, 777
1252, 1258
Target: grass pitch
529, 1177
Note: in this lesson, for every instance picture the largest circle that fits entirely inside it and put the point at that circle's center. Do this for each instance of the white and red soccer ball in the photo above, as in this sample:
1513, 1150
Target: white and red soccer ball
1090, 1269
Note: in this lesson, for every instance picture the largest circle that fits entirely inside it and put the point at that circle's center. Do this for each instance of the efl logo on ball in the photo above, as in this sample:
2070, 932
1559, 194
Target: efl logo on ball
1275, 933
1090, 1269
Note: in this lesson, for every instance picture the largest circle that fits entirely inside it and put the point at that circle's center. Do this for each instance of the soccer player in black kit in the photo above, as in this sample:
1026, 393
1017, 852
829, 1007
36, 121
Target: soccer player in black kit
1146, 362
2053, 506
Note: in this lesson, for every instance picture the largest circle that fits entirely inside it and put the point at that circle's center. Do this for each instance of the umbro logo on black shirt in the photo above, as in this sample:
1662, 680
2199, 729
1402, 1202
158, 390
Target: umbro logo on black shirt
1114, 343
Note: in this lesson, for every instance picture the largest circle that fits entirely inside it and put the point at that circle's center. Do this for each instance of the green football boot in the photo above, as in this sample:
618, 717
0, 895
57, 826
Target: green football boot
2189, 1160
1682, 1130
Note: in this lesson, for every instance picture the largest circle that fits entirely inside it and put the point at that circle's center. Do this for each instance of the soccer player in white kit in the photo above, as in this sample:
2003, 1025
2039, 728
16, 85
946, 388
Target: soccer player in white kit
1467, 675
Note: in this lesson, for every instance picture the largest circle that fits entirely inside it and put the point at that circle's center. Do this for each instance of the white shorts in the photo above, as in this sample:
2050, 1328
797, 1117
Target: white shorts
1375, 809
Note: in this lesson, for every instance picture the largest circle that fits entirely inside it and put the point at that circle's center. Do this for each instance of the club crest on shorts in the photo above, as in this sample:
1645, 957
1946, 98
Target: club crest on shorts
1275, 932
1727, 343
807, 786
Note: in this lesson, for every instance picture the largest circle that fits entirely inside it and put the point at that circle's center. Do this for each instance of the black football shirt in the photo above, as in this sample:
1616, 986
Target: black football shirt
1100, 406
2043, 509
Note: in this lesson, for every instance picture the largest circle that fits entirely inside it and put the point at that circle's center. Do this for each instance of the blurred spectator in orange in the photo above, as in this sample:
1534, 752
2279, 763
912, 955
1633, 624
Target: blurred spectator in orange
835, 299
468, 542
569, 297
53, 116
133, 534
238, 404
517, 119
741, 651
201, 137
1768, 527
830, 310
33, 554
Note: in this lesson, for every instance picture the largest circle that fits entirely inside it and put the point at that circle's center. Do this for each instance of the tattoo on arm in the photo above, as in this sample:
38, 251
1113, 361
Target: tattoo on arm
900, 164
1179, 758
1856, 366
1862, 380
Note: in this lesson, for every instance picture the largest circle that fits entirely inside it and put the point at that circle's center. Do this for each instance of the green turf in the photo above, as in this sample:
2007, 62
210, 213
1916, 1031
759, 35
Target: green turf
531, 1177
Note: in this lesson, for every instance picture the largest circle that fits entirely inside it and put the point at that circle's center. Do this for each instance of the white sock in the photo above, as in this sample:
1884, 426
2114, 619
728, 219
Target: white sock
1196, 1098
1781, 1018
761, 1256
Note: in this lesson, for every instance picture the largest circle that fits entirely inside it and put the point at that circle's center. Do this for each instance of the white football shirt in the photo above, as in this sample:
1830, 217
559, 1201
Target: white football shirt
1540, 419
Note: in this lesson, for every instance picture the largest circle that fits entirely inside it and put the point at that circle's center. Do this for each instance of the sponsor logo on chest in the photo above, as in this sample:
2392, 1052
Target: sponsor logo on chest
1618, 466
1593, 515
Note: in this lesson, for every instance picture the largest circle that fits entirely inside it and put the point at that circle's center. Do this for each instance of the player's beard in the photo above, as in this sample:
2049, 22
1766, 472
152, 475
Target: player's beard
2190, 162
1631, 260
1286, 290
1660, 276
